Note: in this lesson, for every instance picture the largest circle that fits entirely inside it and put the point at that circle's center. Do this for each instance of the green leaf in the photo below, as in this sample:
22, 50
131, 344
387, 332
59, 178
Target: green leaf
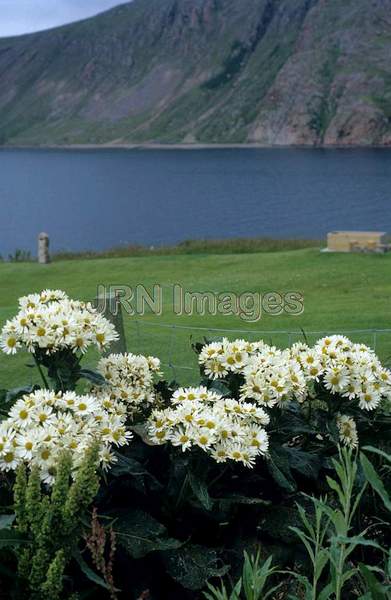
200, 491
375, 481
237, 499
192, 566
306, 585
6, 521
88, 572
279, 469
305, 463
378, 451
306, 541
326, 593
377, 590
358, 540
92, 376
132, 467
220, 388
321, 562
139, 533
16, 393
10, 537
278, 523
336, 488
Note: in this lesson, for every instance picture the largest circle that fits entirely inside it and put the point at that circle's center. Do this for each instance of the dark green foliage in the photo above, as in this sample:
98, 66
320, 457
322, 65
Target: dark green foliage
20, 256
229, 246
64, 370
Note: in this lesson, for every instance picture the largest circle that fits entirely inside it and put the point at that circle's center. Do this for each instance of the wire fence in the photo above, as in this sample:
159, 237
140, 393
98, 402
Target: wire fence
172, 342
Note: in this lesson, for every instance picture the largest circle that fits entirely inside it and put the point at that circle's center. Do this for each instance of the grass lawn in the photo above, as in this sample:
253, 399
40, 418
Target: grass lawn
341, 292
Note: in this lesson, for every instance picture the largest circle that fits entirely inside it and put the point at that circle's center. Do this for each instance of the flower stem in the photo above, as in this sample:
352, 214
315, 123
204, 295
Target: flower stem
45, 383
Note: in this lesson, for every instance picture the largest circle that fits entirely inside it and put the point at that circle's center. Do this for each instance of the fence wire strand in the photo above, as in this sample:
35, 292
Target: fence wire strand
172, 343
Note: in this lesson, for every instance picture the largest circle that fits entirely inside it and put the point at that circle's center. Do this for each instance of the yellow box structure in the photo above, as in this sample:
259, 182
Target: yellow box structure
357, 241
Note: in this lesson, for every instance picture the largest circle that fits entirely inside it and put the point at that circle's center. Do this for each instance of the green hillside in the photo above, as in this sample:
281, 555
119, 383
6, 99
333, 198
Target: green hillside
268, 71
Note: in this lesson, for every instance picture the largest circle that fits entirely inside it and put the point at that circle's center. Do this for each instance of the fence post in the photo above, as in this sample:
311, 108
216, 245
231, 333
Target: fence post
113, 313
43, 249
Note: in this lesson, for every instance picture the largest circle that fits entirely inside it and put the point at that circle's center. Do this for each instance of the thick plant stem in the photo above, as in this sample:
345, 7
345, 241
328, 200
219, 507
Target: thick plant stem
44, 380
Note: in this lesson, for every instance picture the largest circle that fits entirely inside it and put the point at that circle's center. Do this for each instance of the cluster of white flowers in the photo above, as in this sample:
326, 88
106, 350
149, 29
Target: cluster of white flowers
226, 429
52, 321
42, 424
130, 379
353, 371
220, 358
273, 376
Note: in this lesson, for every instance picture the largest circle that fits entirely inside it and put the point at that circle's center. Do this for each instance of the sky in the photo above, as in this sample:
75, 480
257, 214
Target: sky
25, 16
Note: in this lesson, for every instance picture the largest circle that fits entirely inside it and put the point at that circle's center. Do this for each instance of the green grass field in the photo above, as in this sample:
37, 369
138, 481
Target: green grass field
341, 292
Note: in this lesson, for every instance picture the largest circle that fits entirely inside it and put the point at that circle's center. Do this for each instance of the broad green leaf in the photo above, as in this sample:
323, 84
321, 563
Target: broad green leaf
278, 524
16, 393
219, 387
303, 462
279, 469
92, 376
6, 521
139, 533
10, 537
88, 572
200, 490
129, 466
192, 565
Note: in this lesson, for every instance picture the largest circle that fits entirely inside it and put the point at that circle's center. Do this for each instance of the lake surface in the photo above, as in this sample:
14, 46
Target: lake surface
102, 198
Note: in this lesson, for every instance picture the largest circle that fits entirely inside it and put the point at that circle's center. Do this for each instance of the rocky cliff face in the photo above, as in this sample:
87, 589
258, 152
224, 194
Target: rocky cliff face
275, 72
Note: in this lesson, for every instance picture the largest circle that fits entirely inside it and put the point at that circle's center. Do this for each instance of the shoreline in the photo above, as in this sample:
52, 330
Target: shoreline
200, 146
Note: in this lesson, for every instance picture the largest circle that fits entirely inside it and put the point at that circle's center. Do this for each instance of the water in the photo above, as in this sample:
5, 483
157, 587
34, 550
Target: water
104, 198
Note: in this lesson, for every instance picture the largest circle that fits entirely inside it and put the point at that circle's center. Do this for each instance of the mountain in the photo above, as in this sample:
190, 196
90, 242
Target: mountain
273, 72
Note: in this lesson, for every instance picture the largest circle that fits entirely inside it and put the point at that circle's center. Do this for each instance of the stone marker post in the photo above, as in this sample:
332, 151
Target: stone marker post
43, 249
